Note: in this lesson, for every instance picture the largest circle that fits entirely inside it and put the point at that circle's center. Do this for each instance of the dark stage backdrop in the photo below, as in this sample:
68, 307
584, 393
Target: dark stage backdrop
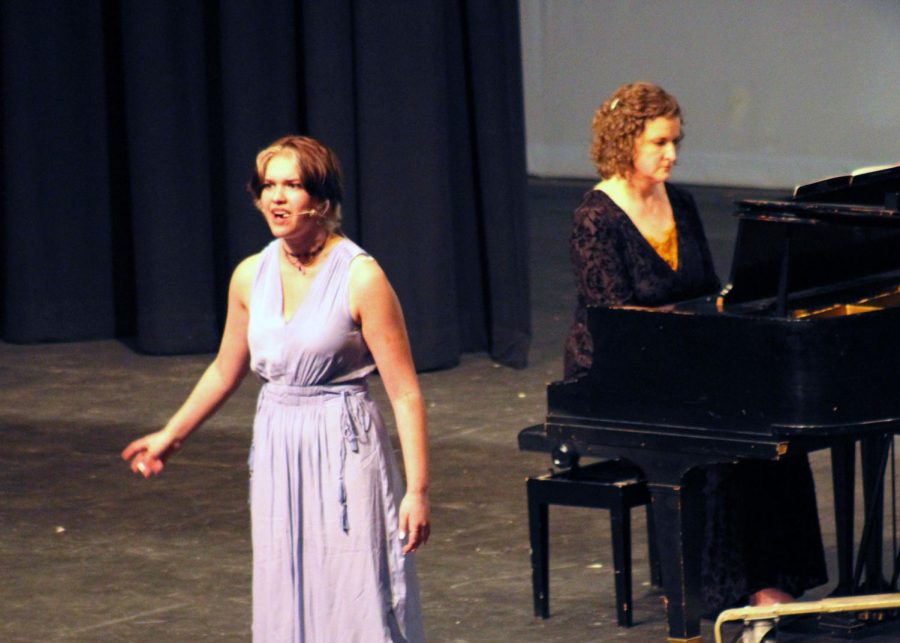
129, 129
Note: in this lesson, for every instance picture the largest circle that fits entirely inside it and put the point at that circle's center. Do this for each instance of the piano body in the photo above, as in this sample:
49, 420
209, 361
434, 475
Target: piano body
799, 352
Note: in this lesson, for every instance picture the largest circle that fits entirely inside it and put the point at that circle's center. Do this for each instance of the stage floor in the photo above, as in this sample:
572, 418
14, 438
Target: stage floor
89, 552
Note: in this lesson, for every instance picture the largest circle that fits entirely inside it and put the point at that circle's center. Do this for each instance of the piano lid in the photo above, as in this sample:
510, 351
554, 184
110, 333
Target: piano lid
870, 196
851, 233
865, 186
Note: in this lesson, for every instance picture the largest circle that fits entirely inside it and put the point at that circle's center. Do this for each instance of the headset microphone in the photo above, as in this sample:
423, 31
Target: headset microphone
312, 212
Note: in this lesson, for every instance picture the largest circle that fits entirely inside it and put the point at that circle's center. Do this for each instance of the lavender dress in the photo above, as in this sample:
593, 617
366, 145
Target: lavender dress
324, 487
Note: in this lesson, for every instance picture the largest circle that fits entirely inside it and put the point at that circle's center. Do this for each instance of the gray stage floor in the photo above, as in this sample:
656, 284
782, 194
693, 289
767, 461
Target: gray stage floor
89, 552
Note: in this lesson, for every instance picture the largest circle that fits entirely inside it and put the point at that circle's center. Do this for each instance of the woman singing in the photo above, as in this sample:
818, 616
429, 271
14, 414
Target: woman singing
313, 315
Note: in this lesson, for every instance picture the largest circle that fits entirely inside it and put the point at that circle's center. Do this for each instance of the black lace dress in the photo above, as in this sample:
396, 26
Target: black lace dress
615, 264
762, 526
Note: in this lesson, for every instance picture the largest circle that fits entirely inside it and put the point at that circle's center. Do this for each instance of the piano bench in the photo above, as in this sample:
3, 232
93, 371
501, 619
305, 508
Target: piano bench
610, 484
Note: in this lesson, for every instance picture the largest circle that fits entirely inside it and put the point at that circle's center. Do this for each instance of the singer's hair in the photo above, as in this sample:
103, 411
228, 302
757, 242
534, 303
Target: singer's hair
621, 119
320, 173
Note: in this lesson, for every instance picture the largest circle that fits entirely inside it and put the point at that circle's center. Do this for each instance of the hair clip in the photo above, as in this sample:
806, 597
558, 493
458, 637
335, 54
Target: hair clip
614, 104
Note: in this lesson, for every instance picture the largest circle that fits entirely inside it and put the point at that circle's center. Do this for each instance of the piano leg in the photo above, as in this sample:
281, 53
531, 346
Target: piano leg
843, 473
540, 557
653, 546
873, 454
678, 520
872, 451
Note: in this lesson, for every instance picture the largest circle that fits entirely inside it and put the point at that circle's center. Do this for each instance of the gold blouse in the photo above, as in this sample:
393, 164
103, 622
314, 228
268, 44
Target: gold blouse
667, 248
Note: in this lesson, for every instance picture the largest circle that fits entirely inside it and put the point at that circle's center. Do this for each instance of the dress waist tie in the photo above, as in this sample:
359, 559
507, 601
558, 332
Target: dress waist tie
351, 421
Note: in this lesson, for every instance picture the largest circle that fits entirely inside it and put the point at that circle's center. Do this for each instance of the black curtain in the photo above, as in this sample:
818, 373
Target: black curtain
129, 129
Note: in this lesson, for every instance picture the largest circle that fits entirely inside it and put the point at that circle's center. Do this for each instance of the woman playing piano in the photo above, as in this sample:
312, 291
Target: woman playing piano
638, 240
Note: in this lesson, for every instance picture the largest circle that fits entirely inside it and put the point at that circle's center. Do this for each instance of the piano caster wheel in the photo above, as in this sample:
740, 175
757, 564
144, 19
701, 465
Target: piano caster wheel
758, 632
564, 456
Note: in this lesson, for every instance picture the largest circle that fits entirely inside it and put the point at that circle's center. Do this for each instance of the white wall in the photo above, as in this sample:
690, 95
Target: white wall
774, 92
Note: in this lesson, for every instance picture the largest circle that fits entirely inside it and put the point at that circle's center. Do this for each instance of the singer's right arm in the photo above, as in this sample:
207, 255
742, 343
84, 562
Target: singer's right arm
221, 378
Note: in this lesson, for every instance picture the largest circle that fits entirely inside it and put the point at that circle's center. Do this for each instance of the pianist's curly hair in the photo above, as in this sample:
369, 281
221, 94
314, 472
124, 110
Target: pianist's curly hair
621, 119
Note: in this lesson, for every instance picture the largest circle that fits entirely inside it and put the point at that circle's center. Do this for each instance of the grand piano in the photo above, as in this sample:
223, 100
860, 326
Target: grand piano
799, 352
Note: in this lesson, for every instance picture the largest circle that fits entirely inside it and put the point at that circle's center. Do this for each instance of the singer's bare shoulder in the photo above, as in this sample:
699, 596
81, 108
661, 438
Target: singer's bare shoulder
242, 278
